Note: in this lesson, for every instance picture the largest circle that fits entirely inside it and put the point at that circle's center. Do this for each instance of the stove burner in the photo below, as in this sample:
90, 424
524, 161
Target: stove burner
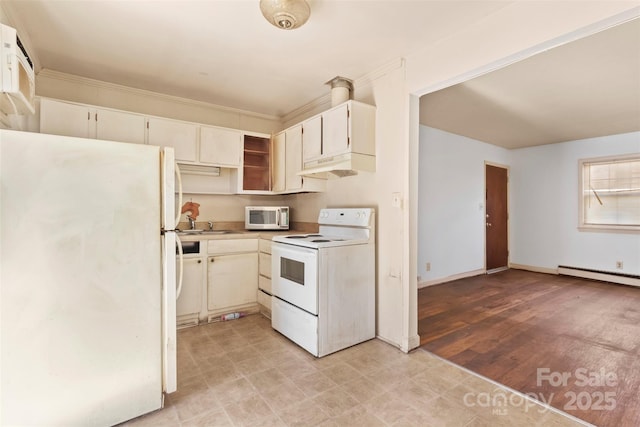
295, 237
314, 235
321, 241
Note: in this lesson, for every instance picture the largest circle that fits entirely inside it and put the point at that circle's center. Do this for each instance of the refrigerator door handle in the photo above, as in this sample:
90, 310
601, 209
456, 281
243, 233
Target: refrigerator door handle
179, 182
180, 266
170, 381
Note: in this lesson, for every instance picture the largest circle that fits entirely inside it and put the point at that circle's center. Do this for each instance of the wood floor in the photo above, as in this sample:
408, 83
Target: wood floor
506, 326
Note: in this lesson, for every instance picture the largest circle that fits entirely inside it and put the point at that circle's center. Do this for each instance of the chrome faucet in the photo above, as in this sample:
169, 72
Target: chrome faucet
210, 225
192, 223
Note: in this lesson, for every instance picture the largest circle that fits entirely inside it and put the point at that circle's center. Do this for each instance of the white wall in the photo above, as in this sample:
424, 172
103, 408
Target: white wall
544, 206
451, 197
3, 17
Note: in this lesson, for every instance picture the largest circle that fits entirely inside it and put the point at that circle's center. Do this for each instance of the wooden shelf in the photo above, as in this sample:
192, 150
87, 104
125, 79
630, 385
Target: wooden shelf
257, 158
256, 152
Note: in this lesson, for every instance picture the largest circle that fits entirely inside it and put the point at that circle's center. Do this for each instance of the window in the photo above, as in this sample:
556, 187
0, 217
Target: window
610, 193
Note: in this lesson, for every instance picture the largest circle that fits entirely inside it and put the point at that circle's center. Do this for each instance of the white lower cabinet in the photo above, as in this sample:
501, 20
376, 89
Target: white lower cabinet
225, 277
189, 302
232, 276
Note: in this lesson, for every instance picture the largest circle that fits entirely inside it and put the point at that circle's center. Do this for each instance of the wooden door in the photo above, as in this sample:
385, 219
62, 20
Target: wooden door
497, 245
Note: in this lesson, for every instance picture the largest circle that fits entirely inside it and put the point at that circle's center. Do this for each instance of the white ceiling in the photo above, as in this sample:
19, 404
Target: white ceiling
583, 89
224, 52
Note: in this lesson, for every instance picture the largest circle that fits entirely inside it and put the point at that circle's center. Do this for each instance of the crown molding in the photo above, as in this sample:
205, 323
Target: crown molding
322, 102
72, 78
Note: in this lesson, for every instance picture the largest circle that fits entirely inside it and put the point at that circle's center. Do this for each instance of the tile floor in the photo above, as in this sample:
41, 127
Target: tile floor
243, 373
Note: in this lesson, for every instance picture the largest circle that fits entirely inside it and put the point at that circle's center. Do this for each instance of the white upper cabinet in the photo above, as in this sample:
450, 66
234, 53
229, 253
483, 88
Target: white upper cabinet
119, 126
220, 146
293, 164
312, 138
182, 136
347, 138
335, 131
62, 118
68, 119
279, 162
287, 163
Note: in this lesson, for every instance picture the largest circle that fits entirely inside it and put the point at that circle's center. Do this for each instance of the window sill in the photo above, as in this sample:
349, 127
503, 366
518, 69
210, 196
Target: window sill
626, 229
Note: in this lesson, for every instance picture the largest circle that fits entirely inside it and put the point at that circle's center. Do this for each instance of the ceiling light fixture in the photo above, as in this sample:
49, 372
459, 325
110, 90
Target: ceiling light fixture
285, 14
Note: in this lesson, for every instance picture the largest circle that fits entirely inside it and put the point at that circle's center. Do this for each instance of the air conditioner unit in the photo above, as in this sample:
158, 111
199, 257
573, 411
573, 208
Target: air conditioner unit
17, 78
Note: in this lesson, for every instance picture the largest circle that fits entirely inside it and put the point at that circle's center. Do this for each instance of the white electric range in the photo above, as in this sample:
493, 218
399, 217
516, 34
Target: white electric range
324, 284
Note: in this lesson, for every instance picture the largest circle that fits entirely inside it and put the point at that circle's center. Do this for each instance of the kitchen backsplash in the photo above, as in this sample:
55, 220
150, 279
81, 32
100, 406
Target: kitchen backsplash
230, 208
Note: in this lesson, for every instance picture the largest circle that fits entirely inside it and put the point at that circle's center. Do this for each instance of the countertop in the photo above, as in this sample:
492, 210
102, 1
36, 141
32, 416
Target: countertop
238, 231
239, 234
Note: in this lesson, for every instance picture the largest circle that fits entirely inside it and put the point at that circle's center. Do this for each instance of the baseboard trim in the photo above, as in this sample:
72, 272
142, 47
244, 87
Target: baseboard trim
534, 268
451, 278
390, 342
598, 275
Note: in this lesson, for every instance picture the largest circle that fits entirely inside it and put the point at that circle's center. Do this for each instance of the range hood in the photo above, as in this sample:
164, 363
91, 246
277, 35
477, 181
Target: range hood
191, 169
342, 165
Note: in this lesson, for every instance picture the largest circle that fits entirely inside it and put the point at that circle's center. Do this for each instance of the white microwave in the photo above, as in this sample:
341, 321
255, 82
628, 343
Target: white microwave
17, 80
266, 218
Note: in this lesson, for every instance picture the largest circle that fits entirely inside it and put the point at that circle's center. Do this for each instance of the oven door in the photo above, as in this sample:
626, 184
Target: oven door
294, 275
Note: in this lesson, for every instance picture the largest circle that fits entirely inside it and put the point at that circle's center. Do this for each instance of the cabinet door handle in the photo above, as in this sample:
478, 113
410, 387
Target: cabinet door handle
199, 261
212, 259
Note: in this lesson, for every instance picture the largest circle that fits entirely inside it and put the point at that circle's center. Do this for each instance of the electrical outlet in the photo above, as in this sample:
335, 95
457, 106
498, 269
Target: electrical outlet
619, 265
428, 266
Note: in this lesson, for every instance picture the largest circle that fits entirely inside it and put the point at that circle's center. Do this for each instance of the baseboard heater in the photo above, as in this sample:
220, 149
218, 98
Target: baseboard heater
606, 276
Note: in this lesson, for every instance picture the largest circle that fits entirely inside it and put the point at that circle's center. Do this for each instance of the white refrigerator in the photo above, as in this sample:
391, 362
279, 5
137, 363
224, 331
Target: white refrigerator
87, 280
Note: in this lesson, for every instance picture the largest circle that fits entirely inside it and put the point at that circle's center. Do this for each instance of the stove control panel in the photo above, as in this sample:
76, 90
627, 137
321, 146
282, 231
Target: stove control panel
355, 217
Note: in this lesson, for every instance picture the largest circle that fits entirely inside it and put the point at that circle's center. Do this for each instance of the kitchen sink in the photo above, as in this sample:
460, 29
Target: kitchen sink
217, 231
